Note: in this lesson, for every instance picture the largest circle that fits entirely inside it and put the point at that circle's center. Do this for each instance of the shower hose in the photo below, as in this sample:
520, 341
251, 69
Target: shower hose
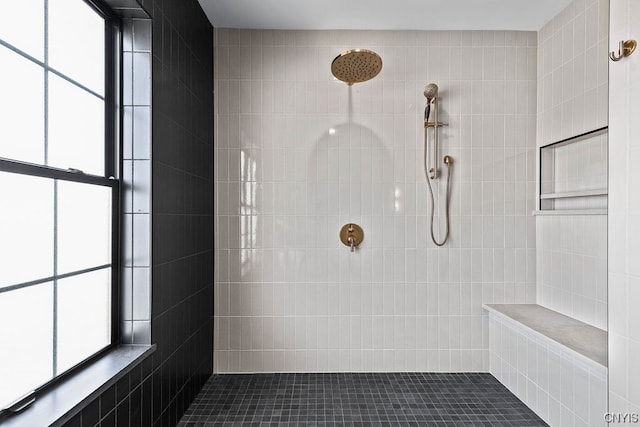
447, 197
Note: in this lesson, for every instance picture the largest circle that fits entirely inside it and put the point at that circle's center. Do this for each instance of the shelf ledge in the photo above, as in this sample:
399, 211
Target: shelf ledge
584, 193
65, 399
570, 212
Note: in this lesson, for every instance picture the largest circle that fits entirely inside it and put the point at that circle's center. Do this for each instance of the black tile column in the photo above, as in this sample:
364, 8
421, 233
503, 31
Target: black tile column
182, 198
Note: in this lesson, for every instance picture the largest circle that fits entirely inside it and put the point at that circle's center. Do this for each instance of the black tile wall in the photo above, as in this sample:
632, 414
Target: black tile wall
159, 391
182, 211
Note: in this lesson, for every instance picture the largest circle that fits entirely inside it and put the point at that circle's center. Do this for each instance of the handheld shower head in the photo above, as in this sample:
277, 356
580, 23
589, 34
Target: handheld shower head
431, 91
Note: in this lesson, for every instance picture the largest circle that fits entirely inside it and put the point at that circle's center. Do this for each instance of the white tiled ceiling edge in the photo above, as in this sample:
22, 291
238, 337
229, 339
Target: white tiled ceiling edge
522, 15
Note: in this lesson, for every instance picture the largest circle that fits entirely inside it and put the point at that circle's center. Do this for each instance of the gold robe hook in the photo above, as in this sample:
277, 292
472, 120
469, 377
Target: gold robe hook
625, 48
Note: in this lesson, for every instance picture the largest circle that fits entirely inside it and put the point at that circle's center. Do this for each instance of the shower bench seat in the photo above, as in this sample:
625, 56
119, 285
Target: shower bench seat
555, 364
579, 337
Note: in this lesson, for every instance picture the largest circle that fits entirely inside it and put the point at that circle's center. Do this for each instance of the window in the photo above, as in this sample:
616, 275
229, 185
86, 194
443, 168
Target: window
58, 195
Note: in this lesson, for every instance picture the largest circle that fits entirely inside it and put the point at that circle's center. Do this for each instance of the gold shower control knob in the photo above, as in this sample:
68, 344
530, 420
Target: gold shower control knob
351, 235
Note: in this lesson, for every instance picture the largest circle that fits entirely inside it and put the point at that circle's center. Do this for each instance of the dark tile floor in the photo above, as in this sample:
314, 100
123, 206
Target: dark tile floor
367, 399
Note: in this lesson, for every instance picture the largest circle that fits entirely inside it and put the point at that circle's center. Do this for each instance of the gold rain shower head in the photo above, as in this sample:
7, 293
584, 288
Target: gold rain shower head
356, 66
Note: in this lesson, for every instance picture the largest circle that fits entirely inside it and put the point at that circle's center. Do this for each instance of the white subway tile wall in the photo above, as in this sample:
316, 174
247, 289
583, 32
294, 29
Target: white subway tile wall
573, 99
562, 388
624, 216
298, 154
572, 266
573, 74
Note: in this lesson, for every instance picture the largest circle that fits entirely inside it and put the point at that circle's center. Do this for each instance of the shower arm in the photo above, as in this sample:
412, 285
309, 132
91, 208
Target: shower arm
435, 124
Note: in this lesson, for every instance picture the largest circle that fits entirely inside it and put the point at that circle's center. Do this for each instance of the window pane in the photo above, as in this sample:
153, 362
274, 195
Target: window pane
26, 334
76, 42
84, 226
26, 228
76, 127
84, 310
21, 107
22, 25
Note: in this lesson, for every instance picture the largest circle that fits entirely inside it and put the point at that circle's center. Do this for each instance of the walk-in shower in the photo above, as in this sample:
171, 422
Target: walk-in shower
431, 170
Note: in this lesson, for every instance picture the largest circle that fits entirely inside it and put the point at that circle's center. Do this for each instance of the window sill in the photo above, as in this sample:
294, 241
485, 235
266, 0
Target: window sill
64, 400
